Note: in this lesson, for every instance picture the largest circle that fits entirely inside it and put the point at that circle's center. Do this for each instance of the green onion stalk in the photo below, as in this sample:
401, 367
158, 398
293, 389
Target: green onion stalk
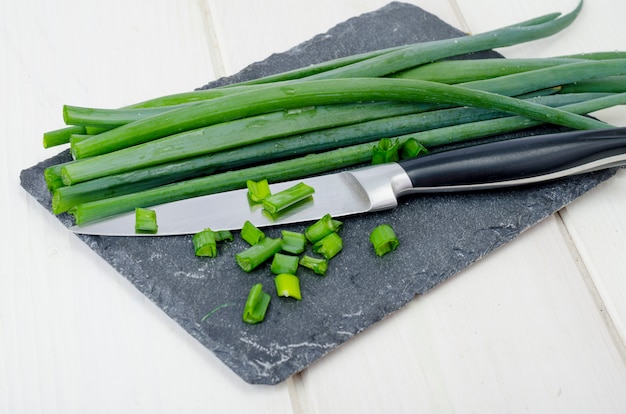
298, 167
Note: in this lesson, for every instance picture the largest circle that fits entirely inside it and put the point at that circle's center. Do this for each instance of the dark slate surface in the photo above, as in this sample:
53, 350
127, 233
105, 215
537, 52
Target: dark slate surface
440, 235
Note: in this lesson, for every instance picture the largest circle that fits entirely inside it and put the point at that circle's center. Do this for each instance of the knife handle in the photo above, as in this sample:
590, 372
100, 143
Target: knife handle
518, 161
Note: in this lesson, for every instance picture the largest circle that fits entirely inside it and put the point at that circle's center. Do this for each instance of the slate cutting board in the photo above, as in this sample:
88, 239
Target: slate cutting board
439, 234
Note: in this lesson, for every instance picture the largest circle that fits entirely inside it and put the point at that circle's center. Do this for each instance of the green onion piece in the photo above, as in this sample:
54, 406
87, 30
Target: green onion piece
205, 243
287, 198
329, 246
253, 256
293, 242
384, 239
258, 190
256, 305
251, 233
284, 263
288, 285
61, 136
223, 235
145, 221
386, 150
412, 148
317, 265
322, 228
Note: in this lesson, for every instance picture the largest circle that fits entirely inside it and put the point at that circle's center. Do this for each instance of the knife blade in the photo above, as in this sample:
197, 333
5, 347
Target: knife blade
514, 162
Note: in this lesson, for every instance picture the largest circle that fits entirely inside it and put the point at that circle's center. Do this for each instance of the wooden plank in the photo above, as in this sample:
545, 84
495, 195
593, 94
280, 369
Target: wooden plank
251, 31
515, 332
595, 220
75, 337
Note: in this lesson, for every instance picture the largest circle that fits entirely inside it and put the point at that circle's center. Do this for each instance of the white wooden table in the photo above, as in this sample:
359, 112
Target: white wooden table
538, 326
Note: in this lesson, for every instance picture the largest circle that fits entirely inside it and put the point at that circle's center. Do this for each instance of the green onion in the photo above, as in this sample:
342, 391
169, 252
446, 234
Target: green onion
286, 198
386, 150
256, 305
284, 263
205, 243
317, 265
210, 139
308, 93
141, 179
428, 52
475, 130
292, 169
288, 285
223, 235
251, 234
230, 180
615, 84
231, 135
384, 239
411, 148
467, 70
258, 190
61, 136
257, 254
322, 228
293, 242
329, 246
145, 221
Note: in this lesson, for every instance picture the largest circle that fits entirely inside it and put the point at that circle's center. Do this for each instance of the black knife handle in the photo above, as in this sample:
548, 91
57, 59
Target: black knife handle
518, 161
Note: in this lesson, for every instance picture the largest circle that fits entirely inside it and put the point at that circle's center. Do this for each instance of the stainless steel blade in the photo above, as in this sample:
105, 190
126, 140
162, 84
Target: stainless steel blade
340, 194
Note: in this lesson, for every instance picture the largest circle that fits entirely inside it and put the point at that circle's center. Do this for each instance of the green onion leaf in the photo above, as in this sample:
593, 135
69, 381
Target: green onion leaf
253, 256
329, 246
384, 239
251, 234
288, 285
322, 228
145, 221
205, 243
256, 305
412, 148
293, 242
287, 198
317, 265
284, 263
386, 150
258, 190
223, 235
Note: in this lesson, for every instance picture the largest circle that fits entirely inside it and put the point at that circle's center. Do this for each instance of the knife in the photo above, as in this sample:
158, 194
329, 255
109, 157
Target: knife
514, 162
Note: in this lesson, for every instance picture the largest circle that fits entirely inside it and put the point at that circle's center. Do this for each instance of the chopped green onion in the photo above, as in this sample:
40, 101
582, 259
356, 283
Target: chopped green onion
254, 255
293, 242
322, 228
205, 243
317, 265
412, 148
223, 235
284, 263
288, 285
384, 239
258, 190
256, 305
251, 233
329, 246
287, 198
145, 221
386, 150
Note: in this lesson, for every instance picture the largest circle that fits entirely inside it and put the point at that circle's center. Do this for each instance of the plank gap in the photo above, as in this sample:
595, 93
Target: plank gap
297, 395
215, 52
461, 18
591, 287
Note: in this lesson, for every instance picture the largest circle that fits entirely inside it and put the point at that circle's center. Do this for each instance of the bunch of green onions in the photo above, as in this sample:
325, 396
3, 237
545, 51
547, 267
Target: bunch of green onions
322, 118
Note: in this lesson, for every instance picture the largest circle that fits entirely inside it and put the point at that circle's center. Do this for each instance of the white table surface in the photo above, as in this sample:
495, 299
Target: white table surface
538, 326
